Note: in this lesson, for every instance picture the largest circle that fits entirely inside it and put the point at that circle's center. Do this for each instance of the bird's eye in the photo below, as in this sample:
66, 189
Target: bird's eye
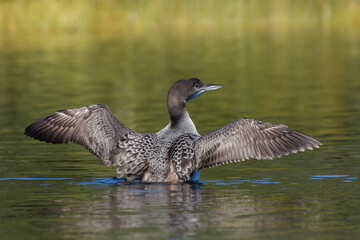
196, 85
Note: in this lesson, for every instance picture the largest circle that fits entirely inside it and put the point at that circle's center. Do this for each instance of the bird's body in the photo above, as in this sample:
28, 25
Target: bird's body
176, 153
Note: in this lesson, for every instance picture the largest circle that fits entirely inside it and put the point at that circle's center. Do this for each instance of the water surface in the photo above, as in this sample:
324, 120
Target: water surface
309, 82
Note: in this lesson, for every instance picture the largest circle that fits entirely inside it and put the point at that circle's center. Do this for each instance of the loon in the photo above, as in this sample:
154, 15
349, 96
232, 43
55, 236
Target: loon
177, 153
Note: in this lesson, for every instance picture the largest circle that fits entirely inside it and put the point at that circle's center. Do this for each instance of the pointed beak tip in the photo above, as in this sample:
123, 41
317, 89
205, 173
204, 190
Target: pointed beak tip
211, 87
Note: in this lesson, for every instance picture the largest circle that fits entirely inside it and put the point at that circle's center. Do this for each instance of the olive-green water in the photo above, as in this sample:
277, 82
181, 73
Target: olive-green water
307, 80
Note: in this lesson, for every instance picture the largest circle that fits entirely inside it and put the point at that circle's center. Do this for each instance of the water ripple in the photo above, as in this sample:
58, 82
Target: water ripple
33, 179
103, 181
328, 176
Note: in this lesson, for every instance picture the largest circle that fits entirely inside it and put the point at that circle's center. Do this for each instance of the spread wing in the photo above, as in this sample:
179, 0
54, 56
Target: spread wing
249, 138
94, 127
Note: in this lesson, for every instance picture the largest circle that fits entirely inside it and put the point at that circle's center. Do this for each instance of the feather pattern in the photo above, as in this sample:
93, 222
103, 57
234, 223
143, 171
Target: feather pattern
133, 155
182, 155
249, 138
94, 127
176, 153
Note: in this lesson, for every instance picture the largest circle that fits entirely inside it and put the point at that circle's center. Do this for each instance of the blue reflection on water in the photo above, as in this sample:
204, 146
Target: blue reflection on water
97, 182
268, 180
235, 181
328, 176
103, 181
320, 177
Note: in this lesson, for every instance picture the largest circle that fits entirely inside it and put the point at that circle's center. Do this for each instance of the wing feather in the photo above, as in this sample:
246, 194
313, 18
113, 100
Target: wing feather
249, 138
94, 127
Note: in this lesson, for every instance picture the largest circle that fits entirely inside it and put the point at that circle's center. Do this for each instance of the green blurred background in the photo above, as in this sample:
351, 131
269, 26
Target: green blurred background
112, 17
293, 62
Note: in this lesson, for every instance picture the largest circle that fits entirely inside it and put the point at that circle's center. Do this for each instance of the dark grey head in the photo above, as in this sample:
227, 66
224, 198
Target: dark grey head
182, 92
185, 90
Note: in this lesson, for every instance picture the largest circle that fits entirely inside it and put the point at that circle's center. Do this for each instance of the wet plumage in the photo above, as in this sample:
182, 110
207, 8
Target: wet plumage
177, 152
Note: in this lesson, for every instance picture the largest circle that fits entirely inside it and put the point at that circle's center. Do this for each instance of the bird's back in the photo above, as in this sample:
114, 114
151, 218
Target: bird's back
154, 157
176, 153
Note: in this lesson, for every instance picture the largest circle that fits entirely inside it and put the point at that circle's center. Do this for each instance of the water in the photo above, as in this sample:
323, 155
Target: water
309, 82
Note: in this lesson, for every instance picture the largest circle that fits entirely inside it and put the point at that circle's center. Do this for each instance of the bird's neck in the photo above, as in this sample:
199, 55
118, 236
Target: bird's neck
179, 117
177, 111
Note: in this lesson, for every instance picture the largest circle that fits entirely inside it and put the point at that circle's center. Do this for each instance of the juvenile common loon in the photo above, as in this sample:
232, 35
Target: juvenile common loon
177, 153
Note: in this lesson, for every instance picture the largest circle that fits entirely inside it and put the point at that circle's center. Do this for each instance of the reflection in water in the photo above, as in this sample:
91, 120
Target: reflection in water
184, 209
181, 209
308, 80
222, 207
131, 206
